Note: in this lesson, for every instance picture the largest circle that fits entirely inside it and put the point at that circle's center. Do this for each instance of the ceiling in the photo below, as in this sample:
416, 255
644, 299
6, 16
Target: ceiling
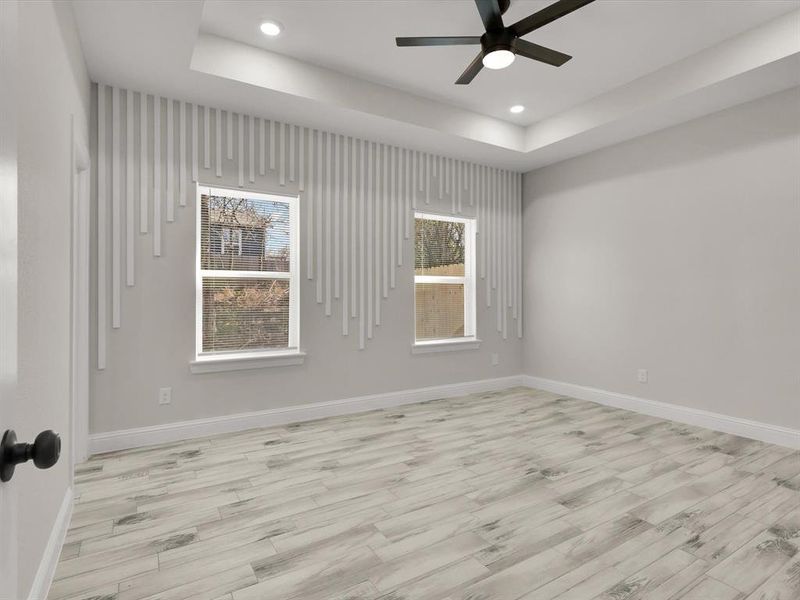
612, 43
336, 63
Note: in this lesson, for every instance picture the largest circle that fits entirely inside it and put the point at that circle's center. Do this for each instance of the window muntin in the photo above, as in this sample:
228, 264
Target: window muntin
444, 278
247, 265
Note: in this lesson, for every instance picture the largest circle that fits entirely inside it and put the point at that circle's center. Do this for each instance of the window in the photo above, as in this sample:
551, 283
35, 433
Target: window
444, 279
247, 264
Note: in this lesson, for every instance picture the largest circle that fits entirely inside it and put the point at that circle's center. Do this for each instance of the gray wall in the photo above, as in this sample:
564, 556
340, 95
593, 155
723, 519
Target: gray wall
54, 87
152, 343
677, 252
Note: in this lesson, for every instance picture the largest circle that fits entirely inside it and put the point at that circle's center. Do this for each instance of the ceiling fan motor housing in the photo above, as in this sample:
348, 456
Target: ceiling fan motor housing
497, 40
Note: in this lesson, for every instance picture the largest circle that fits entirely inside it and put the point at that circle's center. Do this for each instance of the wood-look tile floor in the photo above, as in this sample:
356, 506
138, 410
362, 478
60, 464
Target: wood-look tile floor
510, 495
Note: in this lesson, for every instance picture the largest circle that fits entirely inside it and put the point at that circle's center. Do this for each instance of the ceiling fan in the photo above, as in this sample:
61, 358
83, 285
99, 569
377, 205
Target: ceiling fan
500, 44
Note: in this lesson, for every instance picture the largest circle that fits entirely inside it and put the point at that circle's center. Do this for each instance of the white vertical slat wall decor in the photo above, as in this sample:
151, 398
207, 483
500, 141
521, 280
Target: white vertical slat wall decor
206, 138
343, 227
385, 220
309, 204
157, 176
272, 145
170, 161
282, 153
229, 135
194, 143
251, 153
427, 181
327, 183
218, 141
317, 208
262, 156
240, 153
130, 221
353, 195
301, 184
102, 229
182, 187
358, 196
394, 215
379, 232
336, 215
144, 211
291, 152
116, 217
369, 253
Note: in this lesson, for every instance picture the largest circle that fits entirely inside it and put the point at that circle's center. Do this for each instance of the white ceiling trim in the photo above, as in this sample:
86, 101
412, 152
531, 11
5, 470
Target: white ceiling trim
222, 57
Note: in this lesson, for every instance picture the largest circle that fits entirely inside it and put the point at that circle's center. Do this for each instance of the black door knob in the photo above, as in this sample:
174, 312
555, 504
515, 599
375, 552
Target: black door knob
44, 451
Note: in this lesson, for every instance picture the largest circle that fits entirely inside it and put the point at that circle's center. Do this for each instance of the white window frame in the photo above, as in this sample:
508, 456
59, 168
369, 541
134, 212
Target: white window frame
469, 340
211, 361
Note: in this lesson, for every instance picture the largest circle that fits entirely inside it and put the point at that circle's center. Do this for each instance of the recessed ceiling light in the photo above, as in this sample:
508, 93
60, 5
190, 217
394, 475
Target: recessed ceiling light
517, 108
498, 59
270, 28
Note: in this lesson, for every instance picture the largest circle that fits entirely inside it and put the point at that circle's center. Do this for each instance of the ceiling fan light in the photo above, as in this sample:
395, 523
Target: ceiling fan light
498, 59
270, 28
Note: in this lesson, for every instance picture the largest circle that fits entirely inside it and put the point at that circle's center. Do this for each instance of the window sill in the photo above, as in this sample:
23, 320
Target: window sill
241, 363
445, 346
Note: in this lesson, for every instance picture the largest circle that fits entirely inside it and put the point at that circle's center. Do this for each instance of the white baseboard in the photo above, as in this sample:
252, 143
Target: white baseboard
182, 430
47, 567
773, 434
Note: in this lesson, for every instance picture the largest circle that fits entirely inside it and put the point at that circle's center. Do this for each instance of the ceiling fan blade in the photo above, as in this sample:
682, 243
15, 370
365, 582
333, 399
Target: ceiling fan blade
490, 14
547, 15
540, 53
473, 69
463, 40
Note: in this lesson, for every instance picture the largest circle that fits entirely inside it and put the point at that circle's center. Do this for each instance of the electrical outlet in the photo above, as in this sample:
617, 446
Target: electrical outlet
165, 395
641, 375
495, 359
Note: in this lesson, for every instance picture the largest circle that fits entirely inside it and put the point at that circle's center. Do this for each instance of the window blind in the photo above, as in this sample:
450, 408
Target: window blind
439, 310
245, 314
244, 234
439, 248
